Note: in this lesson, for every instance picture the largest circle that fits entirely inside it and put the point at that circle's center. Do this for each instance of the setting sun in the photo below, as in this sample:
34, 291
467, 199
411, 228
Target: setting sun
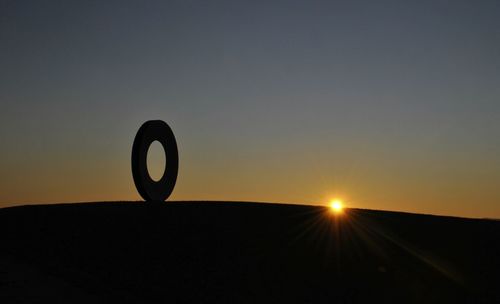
336, 206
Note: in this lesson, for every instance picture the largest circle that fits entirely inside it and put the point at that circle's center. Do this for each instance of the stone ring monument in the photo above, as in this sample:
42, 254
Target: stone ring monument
150, 190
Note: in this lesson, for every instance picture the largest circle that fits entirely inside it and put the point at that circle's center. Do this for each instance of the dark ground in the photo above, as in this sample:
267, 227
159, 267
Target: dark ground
243, 252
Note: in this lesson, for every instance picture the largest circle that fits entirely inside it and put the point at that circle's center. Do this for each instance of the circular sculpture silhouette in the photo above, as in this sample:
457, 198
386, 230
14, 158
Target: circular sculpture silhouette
149, 189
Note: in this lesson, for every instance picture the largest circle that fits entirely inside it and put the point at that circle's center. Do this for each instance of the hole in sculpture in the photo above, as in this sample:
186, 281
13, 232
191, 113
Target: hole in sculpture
156, 161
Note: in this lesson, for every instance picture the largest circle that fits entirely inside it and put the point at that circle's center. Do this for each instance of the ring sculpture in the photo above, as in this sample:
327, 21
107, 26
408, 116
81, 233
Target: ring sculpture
149, 189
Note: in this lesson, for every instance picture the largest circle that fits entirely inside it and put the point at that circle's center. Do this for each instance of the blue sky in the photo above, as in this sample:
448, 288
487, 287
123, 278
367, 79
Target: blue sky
389, 105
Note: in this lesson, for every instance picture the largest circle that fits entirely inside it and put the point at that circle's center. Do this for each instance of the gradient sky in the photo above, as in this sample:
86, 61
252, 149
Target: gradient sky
386, 104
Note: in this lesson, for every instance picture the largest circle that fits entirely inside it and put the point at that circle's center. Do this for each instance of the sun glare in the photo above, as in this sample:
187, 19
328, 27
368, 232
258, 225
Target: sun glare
336, 206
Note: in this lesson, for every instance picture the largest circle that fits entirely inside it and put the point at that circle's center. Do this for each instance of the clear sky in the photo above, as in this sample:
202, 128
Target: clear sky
386, 104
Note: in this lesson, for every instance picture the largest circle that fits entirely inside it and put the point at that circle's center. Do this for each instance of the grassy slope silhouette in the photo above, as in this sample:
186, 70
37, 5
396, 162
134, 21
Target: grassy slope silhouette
243, 252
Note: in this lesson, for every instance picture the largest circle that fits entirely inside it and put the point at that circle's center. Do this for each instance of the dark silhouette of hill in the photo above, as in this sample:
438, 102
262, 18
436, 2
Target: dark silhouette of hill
243, 253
